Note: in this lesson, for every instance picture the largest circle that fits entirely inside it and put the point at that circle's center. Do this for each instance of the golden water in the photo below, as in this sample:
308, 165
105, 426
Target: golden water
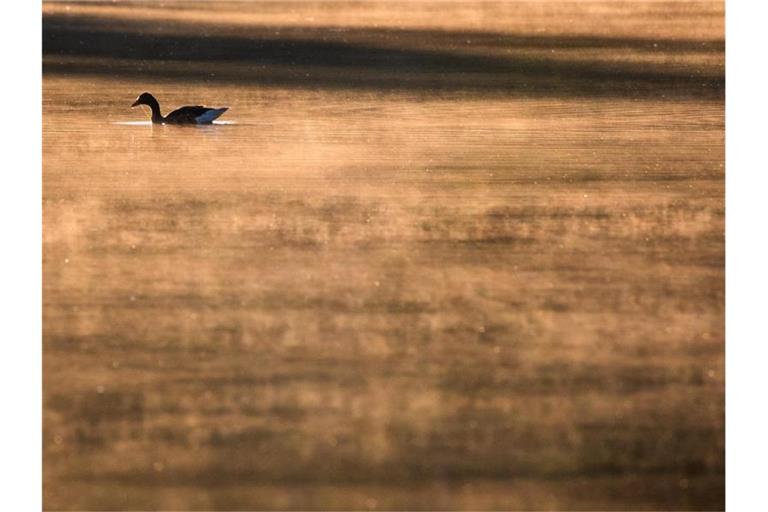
394, 297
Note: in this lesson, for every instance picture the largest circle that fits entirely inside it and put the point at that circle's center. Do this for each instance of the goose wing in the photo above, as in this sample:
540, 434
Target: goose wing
194, 115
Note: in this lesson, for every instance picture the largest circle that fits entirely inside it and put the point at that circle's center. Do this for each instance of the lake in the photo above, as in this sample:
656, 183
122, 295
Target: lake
442, 255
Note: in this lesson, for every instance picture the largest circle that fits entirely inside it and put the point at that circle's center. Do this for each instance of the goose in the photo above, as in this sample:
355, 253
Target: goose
183, 115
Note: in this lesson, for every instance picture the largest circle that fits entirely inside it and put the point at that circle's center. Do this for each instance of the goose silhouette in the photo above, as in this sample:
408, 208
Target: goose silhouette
184, 115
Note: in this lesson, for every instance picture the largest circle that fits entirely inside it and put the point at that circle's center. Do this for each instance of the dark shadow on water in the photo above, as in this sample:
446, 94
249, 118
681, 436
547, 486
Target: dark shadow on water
380, 59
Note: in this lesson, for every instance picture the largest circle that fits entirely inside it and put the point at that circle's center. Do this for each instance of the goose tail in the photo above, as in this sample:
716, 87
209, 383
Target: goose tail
210, 115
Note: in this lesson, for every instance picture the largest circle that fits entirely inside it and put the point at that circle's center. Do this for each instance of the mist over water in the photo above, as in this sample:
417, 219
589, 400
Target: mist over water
402, 271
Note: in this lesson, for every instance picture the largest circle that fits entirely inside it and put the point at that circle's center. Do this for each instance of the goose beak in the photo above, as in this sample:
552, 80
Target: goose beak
135, 103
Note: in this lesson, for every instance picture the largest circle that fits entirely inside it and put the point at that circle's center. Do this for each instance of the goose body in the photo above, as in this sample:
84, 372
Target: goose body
184, 115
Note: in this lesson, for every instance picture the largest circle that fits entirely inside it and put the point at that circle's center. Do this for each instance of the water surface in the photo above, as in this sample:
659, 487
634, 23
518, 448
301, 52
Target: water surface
443, 293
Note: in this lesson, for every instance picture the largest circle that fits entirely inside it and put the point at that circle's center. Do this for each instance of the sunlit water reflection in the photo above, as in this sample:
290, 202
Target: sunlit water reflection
149, 123
351, 298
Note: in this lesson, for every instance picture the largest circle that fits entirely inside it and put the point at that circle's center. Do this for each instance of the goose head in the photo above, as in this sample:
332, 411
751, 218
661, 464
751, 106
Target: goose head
145, 99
